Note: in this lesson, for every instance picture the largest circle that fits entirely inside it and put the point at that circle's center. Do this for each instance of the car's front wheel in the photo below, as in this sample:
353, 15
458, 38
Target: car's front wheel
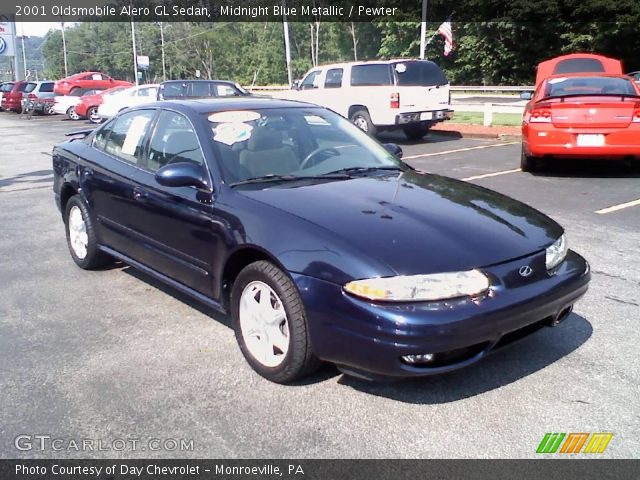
92, 115
527, 162
71, 113
81, 236
270, 323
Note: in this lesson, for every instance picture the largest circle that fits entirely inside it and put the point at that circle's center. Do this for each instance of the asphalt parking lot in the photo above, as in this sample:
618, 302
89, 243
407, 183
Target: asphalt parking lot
114, 355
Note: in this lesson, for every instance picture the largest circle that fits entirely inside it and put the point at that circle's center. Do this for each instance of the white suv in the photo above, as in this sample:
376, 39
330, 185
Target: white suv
411, 95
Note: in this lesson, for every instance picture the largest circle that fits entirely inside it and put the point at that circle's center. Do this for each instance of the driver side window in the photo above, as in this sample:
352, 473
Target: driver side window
173, 141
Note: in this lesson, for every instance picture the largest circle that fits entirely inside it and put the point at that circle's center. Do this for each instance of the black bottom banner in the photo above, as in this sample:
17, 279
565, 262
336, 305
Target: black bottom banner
197, 469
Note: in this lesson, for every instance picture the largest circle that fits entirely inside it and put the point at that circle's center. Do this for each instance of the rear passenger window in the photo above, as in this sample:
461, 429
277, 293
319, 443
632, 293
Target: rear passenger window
173, 141
334, 78
370, 75
46, 87
126, 136
200, 89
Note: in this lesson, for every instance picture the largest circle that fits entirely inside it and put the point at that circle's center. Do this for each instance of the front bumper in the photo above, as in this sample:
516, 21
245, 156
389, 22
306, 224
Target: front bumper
371, 338
544, 140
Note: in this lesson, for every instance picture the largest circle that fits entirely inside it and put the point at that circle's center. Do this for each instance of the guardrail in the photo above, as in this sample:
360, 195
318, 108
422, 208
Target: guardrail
454, 88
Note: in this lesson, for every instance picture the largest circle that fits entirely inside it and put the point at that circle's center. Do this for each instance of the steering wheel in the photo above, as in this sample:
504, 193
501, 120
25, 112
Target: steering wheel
308, 158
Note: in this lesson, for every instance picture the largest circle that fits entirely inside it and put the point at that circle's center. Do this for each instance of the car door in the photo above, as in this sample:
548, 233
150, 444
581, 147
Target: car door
110, 179
176, 222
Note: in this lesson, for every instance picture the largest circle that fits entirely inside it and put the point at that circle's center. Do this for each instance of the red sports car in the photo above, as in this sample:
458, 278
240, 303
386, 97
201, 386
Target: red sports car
582, 115
88, 106
87, 81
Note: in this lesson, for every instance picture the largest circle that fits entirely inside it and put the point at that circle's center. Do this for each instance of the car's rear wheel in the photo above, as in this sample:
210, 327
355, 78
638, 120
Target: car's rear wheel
81, 236
527, 162
270, 323
92, 115
415, 131
71, 113
48, 109
362, 120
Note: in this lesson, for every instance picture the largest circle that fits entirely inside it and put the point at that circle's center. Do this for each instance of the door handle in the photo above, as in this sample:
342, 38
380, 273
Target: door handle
139, 194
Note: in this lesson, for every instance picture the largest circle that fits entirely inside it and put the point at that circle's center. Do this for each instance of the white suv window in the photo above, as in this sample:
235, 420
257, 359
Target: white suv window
311, 80
334, 78
371, 75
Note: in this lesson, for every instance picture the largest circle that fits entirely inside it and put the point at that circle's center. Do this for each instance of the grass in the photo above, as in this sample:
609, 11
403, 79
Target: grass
476, 118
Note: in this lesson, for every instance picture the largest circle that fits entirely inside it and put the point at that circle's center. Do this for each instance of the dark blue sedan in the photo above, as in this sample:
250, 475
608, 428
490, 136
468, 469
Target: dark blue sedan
319, 241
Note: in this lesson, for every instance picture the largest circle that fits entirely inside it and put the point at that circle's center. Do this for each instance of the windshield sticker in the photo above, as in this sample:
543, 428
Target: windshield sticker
401, 68
557, 80
230, 133
315, 120
234, 116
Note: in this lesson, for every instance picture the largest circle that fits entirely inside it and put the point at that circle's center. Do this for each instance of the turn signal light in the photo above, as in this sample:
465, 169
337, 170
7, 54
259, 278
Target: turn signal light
636, 114
395, 100
540, 115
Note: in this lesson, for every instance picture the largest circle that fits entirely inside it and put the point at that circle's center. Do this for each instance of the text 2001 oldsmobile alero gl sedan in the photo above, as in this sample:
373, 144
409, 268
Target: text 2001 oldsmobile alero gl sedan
322, 244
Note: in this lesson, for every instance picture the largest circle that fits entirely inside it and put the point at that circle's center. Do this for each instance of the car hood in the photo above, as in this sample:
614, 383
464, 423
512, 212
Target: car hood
417, 223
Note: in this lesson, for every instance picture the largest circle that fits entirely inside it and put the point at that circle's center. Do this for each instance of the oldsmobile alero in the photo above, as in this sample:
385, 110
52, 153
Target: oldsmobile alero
318, 240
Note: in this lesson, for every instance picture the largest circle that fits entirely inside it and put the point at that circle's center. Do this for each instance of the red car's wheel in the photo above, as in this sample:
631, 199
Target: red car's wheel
527, 162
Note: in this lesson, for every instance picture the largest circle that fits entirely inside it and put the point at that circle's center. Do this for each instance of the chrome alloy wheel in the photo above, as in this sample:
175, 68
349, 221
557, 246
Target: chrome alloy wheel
78, 237
264, 325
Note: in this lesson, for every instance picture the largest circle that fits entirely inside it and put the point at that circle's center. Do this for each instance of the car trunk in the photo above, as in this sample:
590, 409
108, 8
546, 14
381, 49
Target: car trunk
593, 114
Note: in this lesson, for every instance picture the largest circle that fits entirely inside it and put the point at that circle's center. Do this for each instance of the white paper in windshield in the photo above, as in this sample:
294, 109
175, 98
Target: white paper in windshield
134, 135
234, 116
230, 133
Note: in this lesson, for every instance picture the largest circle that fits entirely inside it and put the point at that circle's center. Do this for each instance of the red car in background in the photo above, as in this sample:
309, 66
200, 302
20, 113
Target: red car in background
88, 106
582, 115
12, 99
87, 81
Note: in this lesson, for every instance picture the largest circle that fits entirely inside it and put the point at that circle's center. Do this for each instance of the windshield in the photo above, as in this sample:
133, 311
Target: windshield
563, 86
419, 74
296, 142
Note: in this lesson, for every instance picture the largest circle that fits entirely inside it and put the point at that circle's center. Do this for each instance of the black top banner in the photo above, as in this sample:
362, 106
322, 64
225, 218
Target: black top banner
320, 10
318, 469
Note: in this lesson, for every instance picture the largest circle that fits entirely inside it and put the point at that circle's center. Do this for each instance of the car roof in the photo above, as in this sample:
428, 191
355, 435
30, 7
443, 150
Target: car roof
208, 105
370, 62
587, 75
546, 68
198, 81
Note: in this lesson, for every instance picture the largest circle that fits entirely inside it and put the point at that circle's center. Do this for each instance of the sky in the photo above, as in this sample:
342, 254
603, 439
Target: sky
36, 29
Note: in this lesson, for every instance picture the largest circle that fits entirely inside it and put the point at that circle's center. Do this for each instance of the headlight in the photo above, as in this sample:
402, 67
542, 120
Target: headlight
438, 286
556, 253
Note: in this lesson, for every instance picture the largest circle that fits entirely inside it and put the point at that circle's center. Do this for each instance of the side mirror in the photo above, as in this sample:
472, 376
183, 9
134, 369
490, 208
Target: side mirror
295, 85
182, 174
526, 95
393, 149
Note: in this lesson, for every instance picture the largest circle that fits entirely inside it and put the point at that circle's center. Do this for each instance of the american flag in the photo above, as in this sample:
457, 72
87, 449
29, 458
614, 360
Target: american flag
446, 31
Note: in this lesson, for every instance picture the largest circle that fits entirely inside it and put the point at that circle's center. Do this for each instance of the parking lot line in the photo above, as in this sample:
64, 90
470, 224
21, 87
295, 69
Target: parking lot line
494, 174
620, 206
479, 147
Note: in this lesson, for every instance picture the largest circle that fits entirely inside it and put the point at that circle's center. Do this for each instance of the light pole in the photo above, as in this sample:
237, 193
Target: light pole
164, 68
287, 48
135, 53
64, 50
423, 30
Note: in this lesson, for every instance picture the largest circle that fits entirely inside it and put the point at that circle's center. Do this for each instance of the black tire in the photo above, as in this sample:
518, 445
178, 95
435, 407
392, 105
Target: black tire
362, 120
415, 131
299, 360
94, 257
527, 162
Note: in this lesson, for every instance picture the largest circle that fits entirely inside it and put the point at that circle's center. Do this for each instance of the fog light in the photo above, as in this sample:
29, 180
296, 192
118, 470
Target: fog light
415, 359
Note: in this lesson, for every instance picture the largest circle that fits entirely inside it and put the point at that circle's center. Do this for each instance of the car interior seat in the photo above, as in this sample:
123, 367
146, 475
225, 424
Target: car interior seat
180, 146
267, 154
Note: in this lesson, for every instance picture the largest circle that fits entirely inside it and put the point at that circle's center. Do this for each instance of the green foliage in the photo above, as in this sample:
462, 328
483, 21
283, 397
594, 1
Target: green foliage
503, 52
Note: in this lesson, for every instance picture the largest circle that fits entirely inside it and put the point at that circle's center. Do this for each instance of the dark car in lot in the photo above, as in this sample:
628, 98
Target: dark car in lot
320, 243
185, 89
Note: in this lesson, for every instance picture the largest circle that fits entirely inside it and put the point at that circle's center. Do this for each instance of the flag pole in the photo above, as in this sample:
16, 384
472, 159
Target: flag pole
287, 48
